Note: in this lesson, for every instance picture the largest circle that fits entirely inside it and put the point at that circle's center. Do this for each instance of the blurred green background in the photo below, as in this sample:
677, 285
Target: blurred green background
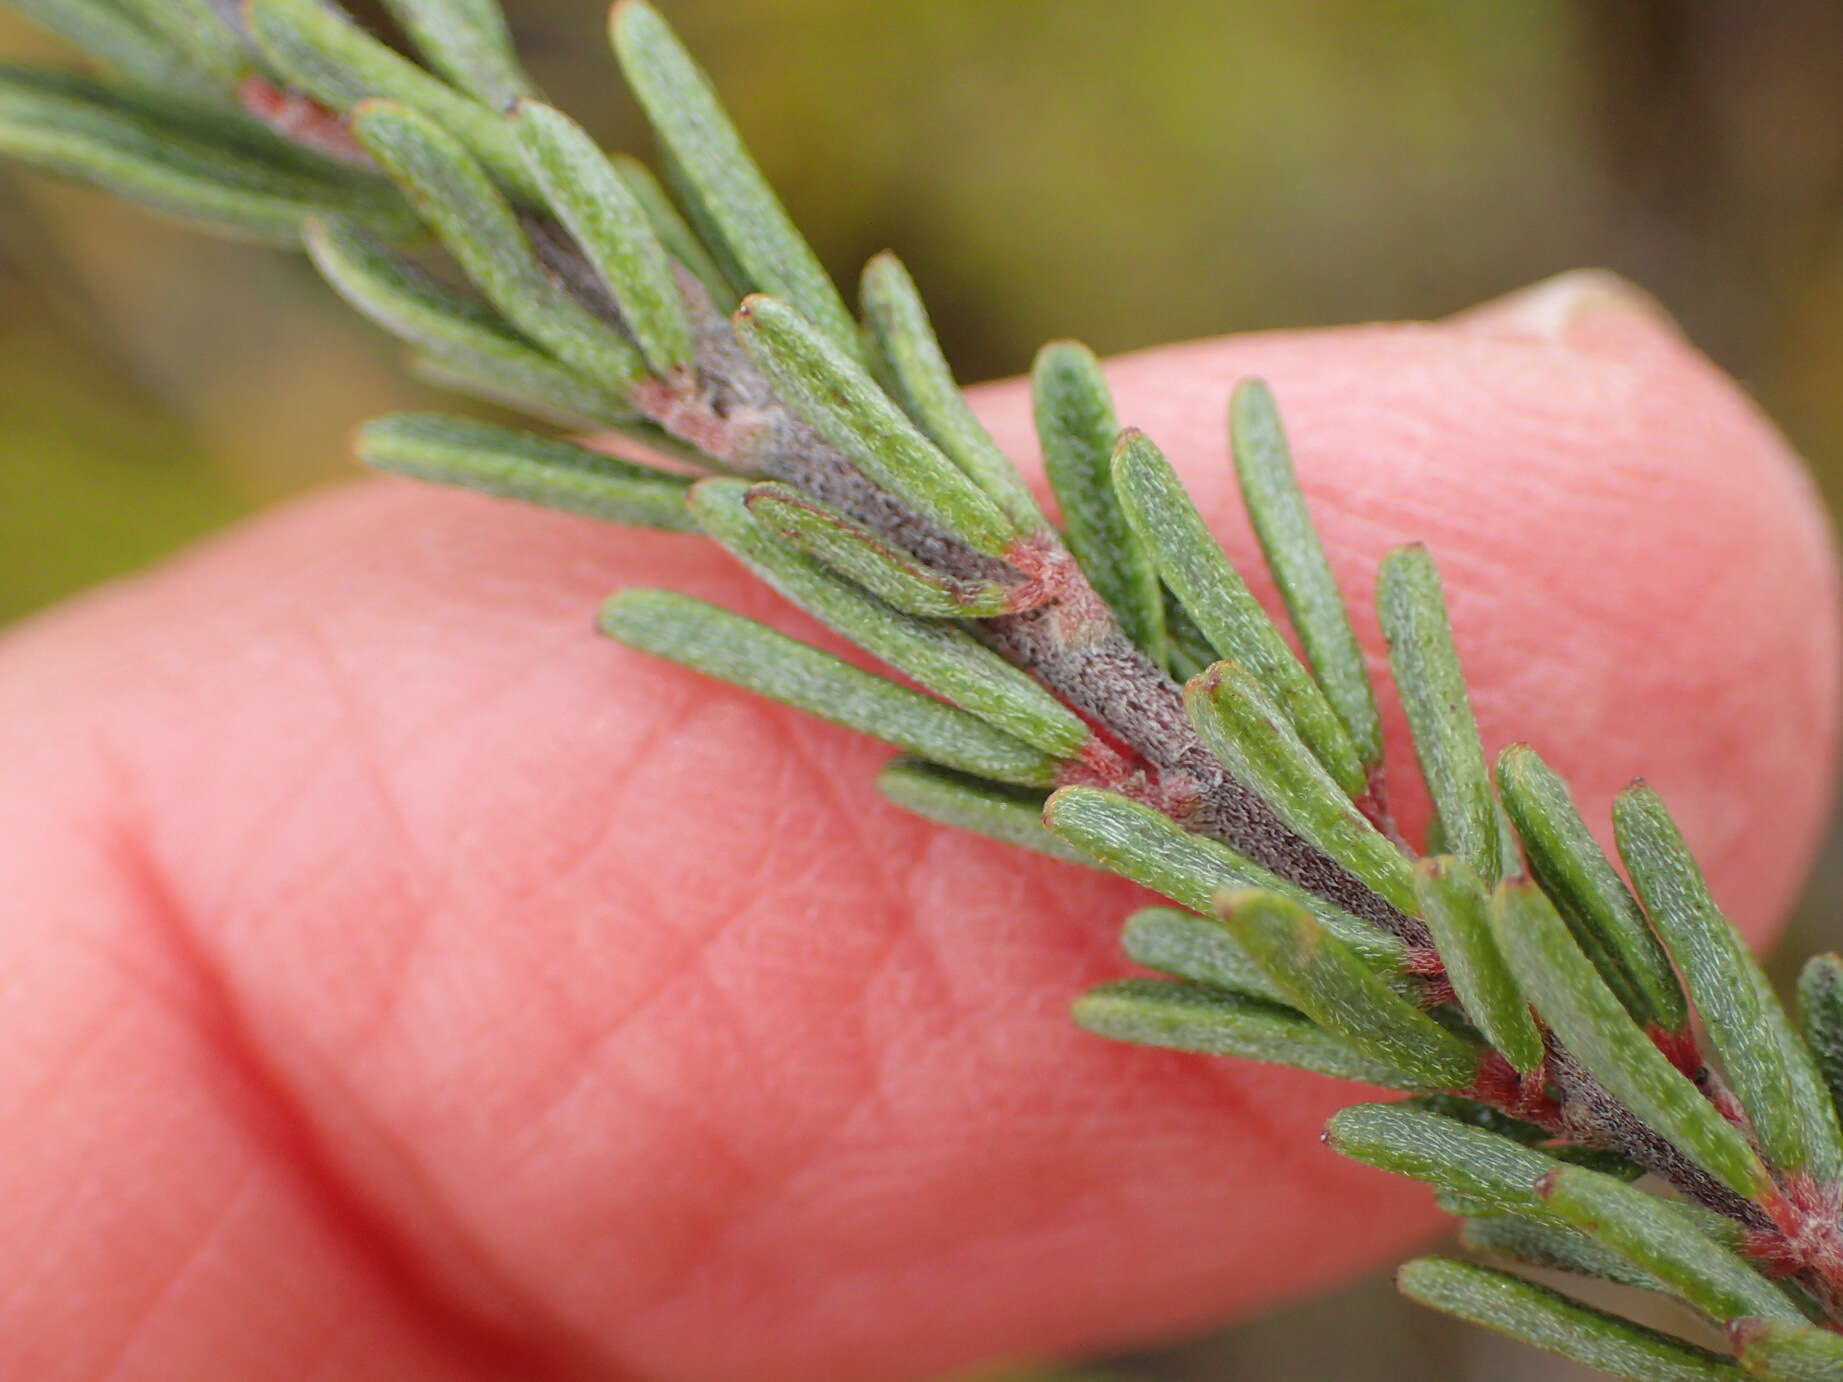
1125, 173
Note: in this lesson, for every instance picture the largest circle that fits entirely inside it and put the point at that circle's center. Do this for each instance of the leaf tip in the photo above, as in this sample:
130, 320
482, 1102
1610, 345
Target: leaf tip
609, 617
624, 12
1338, 1126
1054, 804
1206, 682
1250, 391
751, 307
1229, 901
1051, 352
1133, 451
1514, 755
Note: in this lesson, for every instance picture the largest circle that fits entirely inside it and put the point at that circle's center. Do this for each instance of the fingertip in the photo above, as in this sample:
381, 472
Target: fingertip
1581, 307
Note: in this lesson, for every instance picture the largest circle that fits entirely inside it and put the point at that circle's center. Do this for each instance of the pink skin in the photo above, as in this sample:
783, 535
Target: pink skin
401, 981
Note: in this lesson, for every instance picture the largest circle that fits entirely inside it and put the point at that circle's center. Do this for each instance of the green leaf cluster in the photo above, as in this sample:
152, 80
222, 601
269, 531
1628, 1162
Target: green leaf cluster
1104, 689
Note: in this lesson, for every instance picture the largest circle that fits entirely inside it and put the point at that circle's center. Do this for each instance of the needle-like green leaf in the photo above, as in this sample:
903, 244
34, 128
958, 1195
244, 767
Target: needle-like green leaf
1432, 691
1610, 1163
107, 32
1153, 850
611, 228
945, 659
1454, 906
1190, 651
467, 42
317, 48
893, 576
1184, 1017
198, 163
1237, 722
1195, 567
1076, 429
905, 346
1820, 1015
1784, 1351
744, 214
1264, 469
1551, 1321
1328, 982
1480, 1166
536, 386
747, 654
467, 340
197, 29
679, 240
520, 465
1656, 1240
482, 232
1769, 1068
1473, 1114
1594, 1025
1483, 1170
1582, 883
1013, 815
1201, 949
1542, 1245
703, 225
832, 393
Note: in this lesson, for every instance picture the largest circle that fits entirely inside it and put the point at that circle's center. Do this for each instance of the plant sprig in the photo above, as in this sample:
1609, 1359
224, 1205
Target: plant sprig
1108, 692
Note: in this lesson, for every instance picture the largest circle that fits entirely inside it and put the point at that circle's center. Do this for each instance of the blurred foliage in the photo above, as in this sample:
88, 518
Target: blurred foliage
1121, 173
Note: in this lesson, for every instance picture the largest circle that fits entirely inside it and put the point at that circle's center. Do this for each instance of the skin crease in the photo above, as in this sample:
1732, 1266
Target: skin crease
400, 981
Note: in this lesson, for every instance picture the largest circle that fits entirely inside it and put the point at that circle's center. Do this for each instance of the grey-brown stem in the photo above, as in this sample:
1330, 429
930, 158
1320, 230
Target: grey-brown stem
1070, 642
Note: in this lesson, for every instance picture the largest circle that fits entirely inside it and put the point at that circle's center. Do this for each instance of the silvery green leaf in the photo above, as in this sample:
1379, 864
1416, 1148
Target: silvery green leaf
945, 659
611, 228
833, 394
1289, 540
1013, 815
1137, 842
745, 216
1193, 564
478, 227
317, 48
1598, 907
1590, 1021
1215, 1022
1549, 1320
1328, 982
1454, 906
918, 378
893, 576
1767, 1065
466, 342
520, 465
1076, 429
1432, 690
750, 655
112, 35
468, 43
198, 163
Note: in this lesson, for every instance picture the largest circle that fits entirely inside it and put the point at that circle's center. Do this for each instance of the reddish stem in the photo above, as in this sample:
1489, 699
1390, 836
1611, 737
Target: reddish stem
301, 119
